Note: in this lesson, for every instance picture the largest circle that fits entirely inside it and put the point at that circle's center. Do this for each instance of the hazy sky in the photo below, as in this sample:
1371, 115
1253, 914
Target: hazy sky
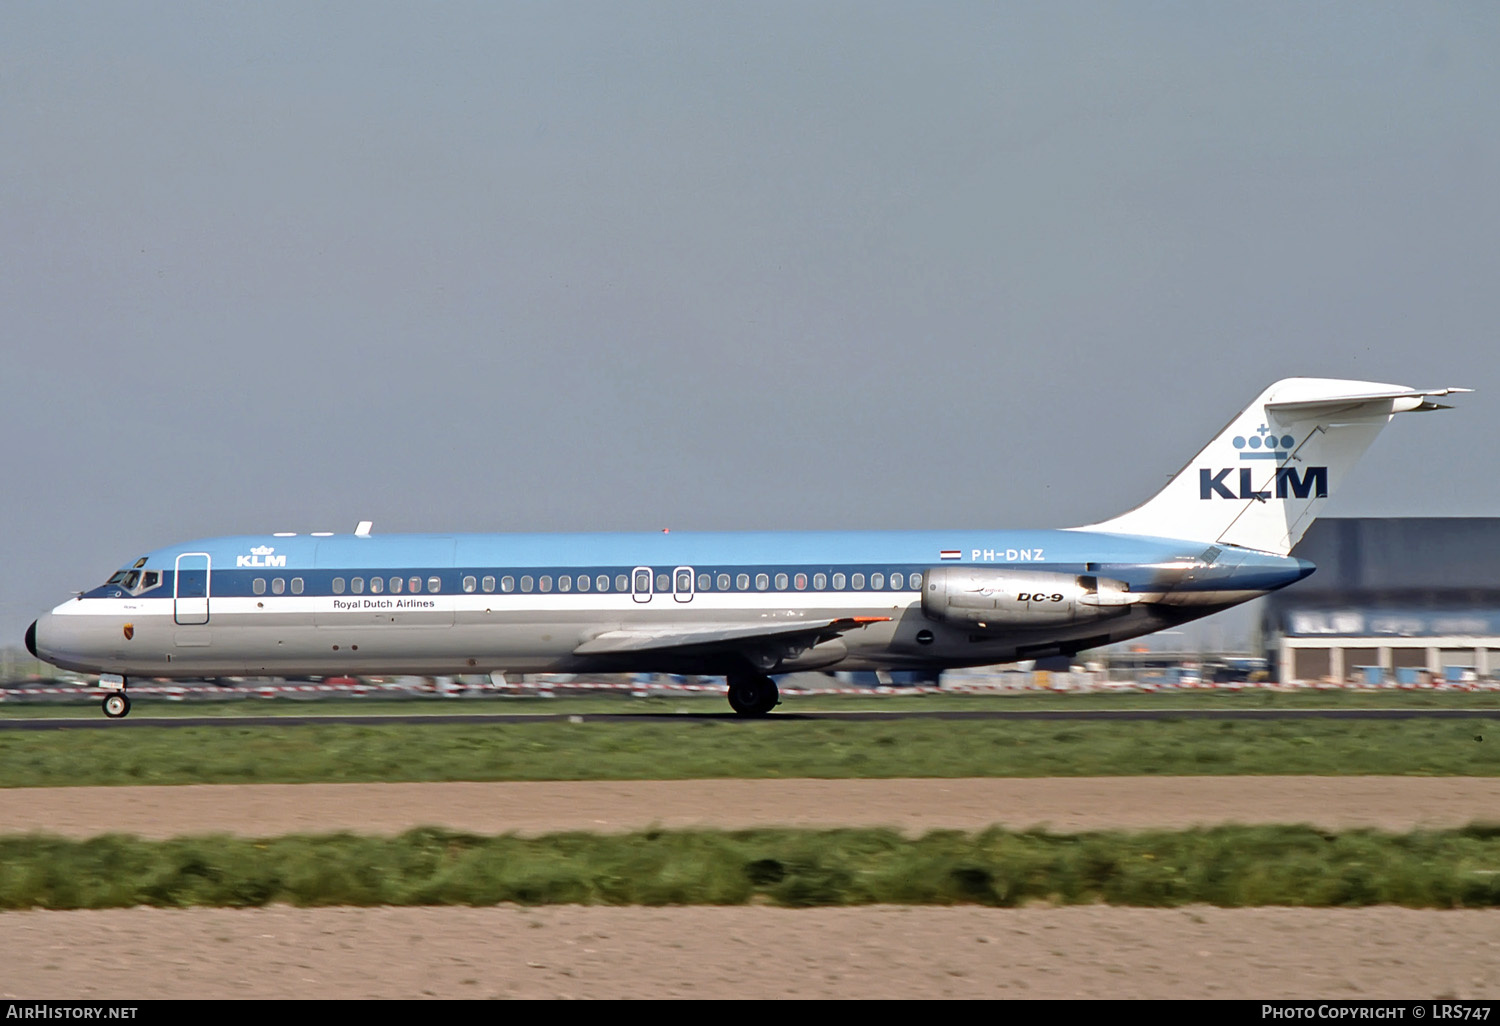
598, 266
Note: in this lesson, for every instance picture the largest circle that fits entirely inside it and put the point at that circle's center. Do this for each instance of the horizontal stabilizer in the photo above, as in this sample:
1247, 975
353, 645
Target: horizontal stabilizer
1400, 400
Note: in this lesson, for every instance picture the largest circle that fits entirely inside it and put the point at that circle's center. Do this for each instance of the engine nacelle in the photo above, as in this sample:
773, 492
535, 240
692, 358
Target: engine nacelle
975, 597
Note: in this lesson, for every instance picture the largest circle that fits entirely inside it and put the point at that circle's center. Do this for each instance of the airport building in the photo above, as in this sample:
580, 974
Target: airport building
1409, 600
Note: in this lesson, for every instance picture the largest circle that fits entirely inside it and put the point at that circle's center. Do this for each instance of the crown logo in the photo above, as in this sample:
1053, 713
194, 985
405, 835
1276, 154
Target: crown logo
262, 550
1264, 444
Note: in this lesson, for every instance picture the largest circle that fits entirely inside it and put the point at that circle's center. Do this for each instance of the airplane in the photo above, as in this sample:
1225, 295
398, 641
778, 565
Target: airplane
744, 606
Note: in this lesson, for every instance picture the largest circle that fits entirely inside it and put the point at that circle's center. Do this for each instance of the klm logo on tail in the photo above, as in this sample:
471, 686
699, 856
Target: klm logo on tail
1312, 483
1264, 444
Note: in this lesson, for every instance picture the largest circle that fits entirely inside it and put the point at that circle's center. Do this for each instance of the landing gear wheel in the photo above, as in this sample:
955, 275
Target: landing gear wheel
753, 696
116, 706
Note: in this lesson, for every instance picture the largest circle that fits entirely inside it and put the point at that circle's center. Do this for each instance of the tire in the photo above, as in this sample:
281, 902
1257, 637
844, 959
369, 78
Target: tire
116, 706
753, 696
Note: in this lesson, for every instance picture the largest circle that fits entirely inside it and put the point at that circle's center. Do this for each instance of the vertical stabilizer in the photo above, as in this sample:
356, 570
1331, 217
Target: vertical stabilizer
1266, 476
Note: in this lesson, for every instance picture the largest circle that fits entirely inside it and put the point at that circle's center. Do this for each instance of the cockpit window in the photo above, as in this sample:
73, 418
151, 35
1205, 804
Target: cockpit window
135, 581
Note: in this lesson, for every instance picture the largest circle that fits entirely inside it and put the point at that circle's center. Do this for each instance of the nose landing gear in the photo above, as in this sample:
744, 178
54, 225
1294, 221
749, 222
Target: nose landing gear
116, 702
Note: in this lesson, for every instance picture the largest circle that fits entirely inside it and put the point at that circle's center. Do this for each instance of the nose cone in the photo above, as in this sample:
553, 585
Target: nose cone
55, 641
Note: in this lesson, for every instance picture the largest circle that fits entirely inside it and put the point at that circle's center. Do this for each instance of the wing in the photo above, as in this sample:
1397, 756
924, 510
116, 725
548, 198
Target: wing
649, 639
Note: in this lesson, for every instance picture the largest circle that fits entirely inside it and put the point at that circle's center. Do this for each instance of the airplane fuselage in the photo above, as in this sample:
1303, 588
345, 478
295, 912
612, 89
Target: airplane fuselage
452, 604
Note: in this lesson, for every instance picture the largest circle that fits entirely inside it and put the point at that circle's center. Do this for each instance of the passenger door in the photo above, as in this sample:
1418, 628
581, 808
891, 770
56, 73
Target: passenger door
190, 588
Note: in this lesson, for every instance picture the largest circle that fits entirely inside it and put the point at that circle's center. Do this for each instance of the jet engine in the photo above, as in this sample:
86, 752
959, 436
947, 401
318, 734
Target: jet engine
975, 597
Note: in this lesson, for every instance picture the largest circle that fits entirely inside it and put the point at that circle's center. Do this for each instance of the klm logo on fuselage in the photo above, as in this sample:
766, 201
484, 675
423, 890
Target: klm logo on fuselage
260, 556
1312, 483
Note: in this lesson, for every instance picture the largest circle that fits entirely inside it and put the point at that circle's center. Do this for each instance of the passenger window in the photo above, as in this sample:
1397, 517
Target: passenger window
278, 585
414, 585
357, 585
470, 583
434, 584
857, 581
258, 586
622, 582
643, 581
723, 582
705, 582
800, 581
820, 581
396, 585
296, 586
684, 583
742, 582
877, 580
897, 581
663, 582
338, 585
507, 583
916, 582
584, 582
564, 583
377, 585
762, 582
781, 582
526, 583
488, 584
602, 582
838, 582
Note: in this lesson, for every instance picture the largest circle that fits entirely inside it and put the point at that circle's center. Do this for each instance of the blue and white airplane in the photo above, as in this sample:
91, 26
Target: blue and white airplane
743, 606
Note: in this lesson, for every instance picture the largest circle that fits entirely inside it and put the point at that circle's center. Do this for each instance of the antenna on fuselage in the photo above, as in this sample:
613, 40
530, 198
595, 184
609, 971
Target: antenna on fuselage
363, 530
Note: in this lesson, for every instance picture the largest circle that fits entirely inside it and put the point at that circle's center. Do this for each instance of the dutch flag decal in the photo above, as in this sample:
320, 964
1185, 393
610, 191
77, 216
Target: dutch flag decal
951, 554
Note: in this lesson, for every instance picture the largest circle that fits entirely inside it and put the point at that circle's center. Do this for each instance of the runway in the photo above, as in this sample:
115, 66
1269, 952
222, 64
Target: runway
414, 719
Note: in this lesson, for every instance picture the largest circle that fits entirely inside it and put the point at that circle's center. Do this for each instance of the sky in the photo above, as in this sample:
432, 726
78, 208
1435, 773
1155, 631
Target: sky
494, 266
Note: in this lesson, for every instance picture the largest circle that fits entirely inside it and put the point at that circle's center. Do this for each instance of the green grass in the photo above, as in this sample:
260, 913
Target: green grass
1227, 866
704, 748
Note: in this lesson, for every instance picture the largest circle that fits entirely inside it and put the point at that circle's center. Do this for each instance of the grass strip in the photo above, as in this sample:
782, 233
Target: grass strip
1227, 866
706, 748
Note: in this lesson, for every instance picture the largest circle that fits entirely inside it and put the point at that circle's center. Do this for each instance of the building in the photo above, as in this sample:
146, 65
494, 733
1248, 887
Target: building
1394, 600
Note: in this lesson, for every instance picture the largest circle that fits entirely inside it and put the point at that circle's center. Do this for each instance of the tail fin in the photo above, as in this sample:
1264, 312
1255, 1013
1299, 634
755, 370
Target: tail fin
1265, 478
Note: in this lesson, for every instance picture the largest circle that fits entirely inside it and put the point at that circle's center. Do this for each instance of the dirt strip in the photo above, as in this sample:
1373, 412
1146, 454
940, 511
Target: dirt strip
749, 952
913, 806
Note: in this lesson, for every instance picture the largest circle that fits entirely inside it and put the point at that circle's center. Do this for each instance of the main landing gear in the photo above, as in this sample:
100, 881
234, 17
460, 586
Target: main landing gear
753, 694
116, 702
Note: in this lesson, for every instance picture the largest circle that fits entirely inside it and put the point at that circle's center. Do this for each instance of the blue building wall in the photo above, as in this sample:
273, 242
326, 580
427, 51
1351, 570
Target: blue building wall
1392, 597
